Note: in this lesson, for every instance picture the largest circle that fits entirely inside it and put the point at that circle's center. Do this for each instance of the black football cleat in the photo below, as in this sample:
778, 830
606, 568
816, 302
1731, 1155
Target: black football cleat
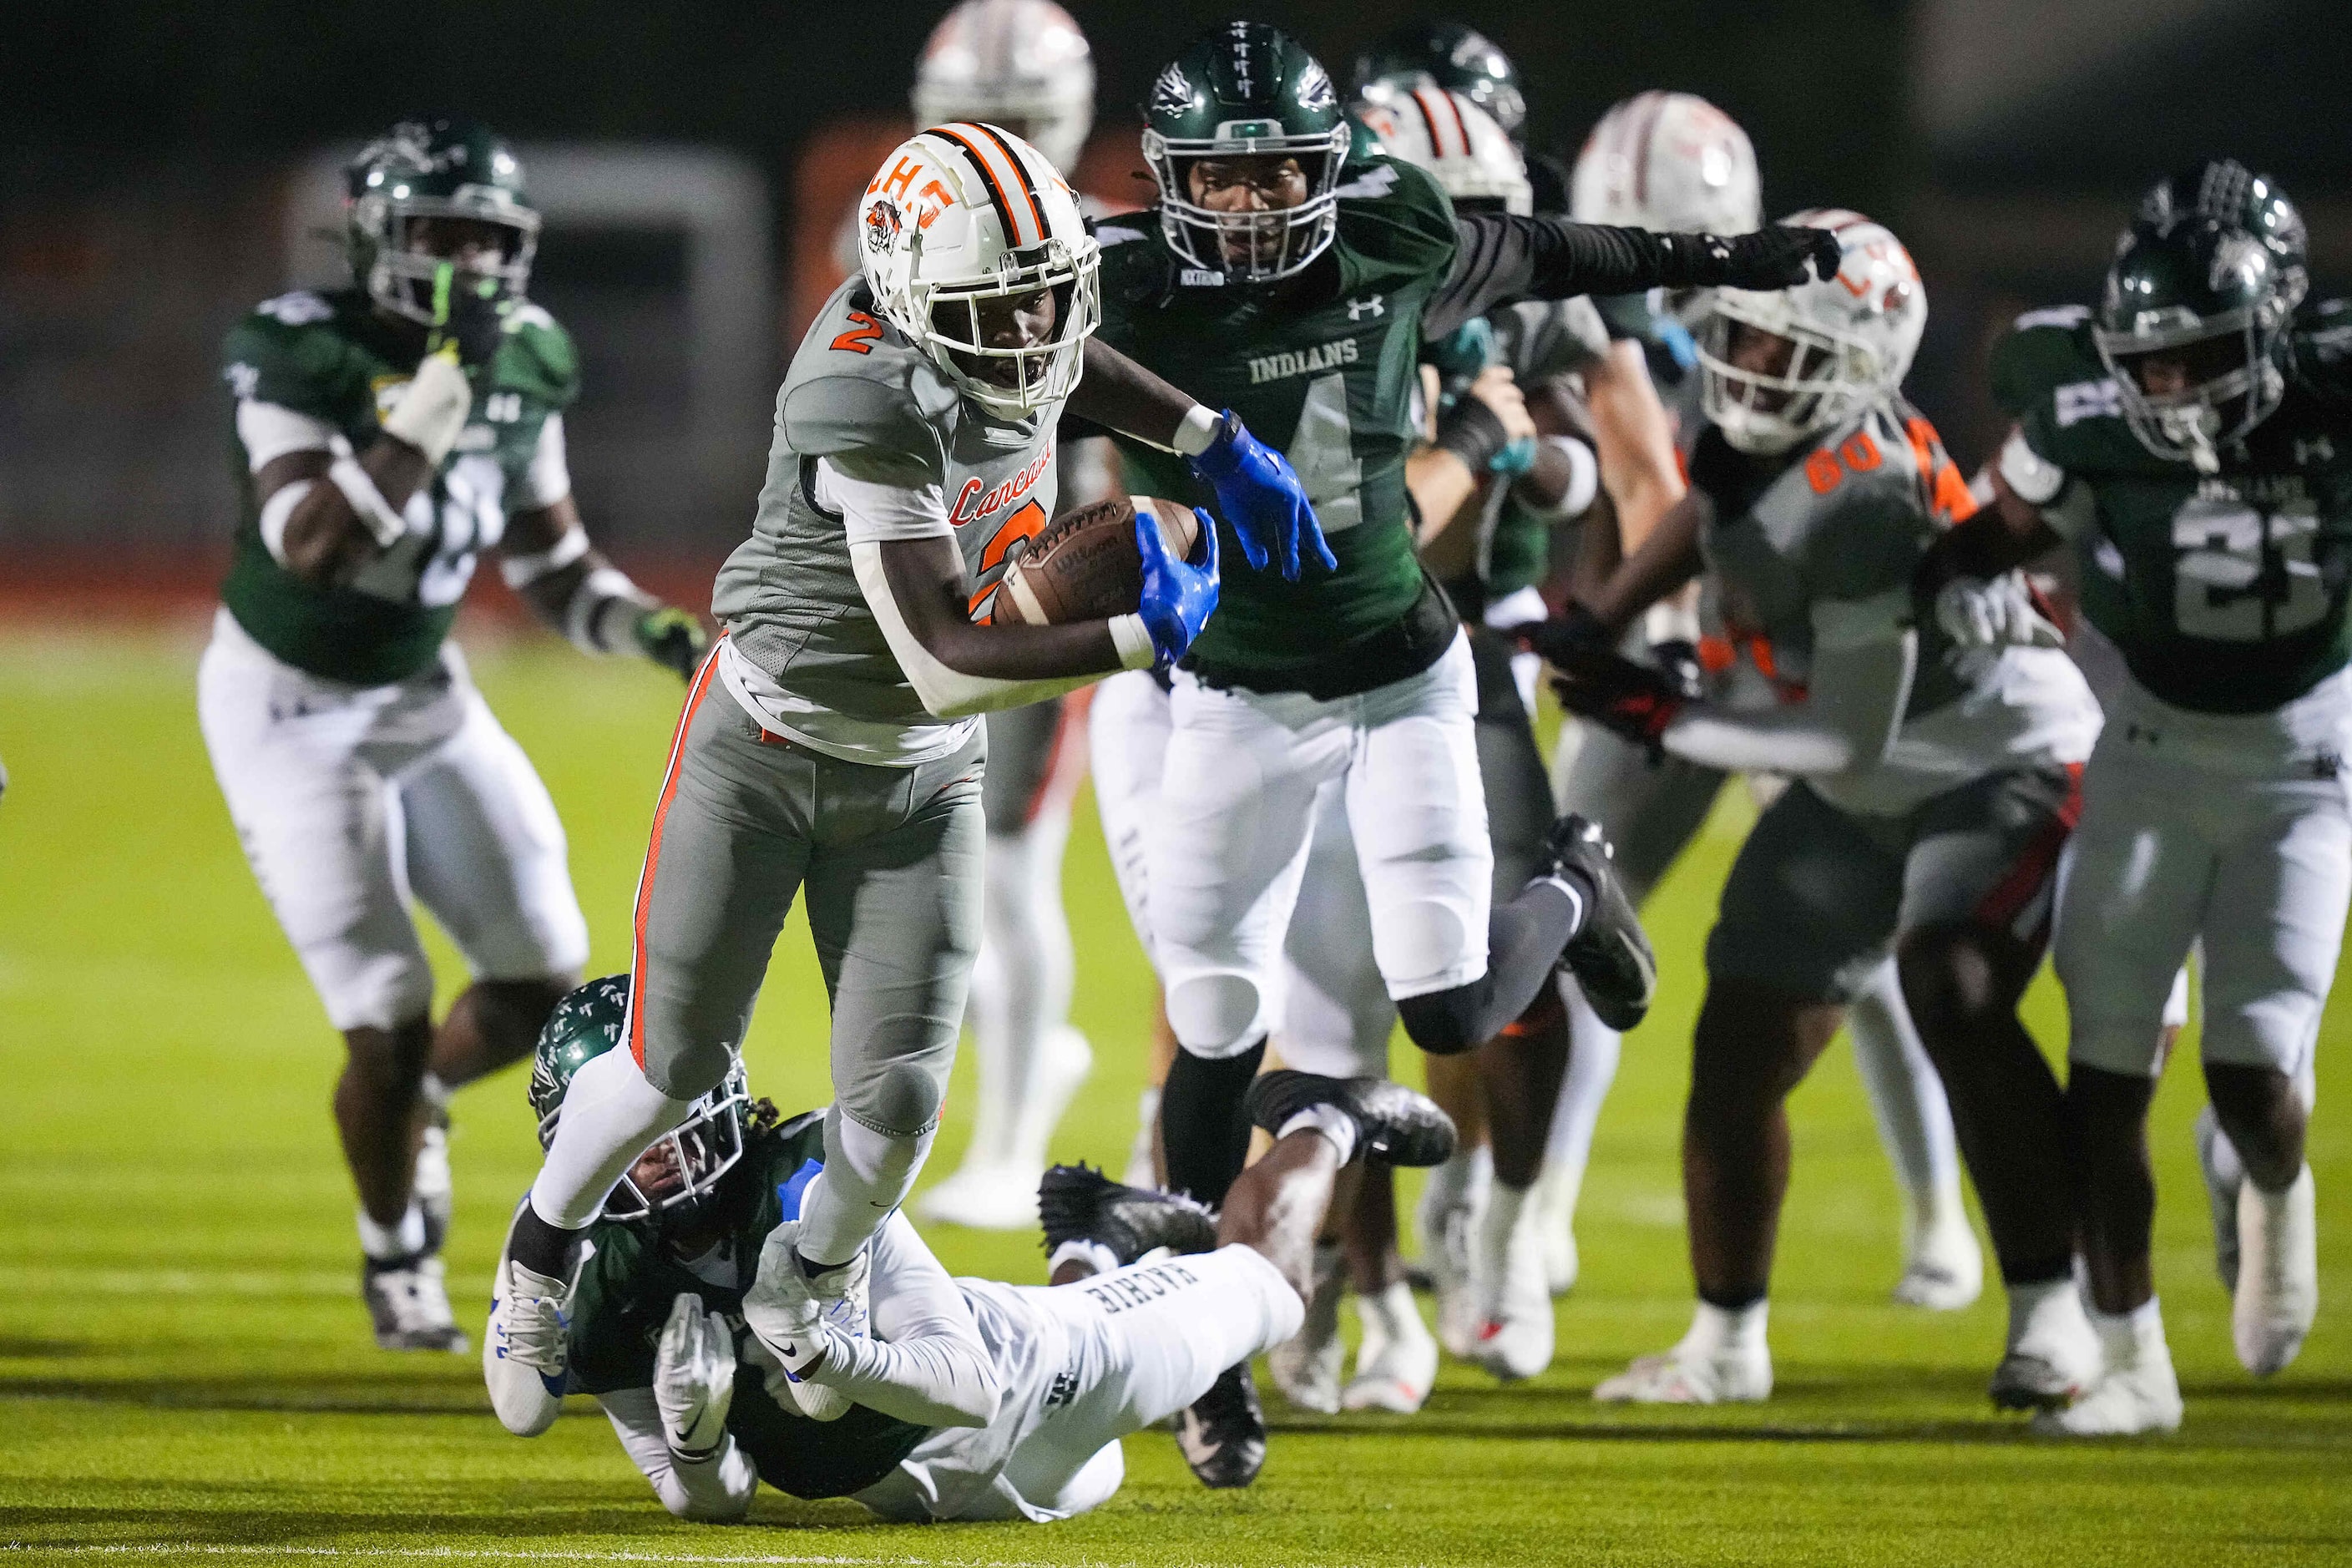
1611, 956
1222, 1434
1078, 1202
1391, 1121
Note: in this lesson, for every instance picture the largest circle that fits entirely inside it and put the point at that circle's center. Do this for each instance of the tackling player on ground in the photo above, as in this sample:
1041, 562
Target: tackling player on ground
832, 742
1935, 789
972, 1399
388, 433
2191, 439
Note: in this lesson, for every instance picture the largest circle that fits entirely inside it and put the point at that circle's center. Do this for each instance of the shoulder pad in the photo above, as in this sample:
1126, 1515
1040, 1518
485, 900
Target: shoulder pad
1396, 225
1137, 266
1854, 510
290, 351
857, 385
539, 357
2042, 351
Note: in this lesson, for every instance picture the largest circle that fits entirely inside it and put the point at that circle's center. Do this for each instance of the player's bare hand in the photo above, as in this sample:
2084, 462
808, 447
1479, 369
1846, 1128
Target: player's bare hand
1499, 390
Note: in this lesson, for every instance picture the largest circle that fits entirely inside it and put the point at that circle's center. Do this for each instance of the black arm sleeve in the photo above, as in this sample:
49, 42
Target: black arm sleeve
1502, 256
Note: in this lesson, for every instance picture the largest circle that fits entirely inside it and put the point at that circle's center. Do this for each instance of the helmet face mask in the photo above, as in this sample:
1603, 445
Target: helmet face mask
2192, 326
423, 174
1022, 65
682, 1168
1015, 378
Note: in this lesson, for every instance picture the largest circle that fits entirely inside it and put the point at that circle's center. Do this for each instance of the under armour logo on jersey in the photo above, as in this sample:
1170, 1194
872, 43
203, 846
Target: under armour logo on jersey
1374, 306
1062, 1390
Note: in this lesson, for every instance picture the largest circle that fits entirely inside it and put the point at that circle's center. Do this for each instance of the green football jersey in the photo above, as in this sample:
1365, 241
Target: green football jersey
624, 1298
1322, 368
329, 357
2225, 592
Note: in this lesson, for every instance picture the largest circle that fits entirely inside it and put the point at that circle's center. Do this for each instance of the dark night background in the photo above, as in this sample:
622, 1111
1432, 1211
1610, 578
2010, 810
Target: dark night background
145, 151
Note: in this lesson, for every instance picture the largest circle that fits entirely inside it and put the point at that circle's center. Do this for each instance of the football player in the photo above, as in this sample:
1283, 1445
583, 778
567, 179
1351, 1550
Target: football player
1934, 786
2182, 438
387, 434
1296, 268
832, 739
1674, 161
1023, 66
972, 1399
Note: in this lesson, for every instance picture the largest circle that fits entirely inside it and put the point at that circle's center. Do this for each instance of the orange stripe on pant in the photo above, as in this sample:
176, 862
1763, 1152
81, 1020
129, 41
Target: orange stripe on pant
693, 696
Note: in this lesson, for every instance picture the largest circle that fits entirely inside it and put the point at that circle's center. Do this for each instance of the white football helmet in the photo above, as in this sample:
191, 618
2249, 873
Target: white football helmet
1669, 160
1453, 138
964, 213
1021, 64
1851, 336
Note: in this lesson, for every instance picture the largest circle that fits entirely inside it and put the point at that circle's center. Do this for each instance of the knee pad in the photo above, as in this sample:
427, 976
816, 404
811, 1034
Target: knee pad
900, 1102
1217, 1015
1420, 941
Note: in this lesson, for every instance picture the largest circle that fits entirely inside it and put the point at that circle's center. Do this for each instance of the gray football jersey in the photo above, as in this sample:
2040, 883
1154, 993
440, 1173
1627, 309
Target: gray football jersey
873, 406
1845, 523
1543, 338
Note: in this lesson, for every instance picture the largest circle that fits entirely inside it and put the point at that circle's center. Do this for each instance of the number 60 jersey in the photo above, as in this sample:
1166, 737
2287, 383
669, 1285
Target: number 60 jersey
2226, 593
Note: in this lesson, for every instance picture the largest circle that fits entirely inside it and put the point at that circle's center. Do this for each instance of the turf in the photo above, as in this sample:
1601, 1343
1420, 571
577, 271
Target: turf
185, 1371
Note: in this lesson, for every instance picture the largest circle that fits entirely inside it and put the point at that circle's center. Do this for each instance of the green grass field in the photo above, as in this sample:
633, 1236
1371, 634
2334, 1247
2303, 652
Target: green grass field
186, 1372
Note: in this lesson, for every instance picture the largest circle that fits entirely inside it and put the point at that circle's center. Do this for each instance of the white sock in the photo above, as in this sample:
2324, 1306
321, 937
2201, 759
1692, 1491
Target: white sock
2126, 1338
1716, 1330
1593, 1053
434, 1092
1099, 1258
1329, 1120
1140, 1170
1461, 1182
382, 1243
611, 1114
2043, 1309
866, 1176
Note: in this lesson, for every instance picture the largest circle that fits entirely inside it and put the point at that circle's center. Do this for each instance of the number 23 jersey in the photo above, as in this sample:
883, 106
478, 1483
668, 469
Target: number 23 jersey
2225, 592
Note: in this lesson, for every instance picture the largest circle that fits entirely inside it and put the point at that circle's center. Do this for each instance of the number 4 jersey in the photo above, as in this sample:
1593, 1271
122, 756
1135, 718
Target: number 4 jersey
318, 371
2225, 592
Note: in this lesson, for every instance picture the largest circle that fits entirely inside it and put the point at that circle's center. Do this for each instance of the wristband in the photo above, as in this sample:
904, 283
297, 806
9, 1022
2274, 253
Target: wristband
522, 571
1133, 640
2035, 480
383, 525
433, 410
1197, 430
1668, 621
1583, 487
1474, 432
583, 613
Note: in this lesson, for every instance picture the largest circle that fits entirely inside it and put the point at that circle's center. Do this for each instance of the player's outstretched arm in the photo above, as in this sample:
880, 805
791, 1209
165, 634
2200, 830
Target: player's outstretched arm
570, 585
1503, 257
1257, 489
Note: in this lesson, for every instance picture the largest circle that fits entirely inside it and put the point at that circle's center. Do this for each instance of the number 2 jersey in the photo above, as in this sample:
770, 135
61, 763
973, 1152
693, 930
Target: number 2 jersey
2226, 593
872, 445
318, 371
1822, 542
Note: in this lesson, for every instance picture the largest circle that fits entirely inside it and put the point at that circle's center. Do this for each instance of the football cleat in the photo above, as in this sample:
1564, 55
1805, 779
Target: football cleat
2054, 1355
1553, 1202
984, 1195
1078, 1202
1306, 1367
1610, 955
2217, 1163
526, 1359
1222, 1434
996, 1188
1397, 1364
1690, 1375
1945, 1267
1513, 1338
2125, 1402
2278, 1276
1393, 1121
410, 1305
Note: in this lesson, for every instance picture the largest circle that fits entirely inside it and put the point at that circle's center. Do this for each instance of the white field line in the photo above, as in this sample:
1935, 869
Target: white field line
36, 1280
475, 1554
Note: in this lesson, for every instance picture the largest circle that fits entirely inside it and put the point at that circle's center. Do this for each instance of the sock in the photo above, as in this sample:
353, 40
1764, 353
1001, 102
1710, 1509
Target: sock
547, 1250
1460, 1183
611, 1116
1389, 1317
1908, 1102
866, 1176
383, 1242
2126, 1338
1139, 1172
1716, 1330
1593, 1053
1203, 1130
1099, 1258
434, 1092
1329, 1120
2041, 1309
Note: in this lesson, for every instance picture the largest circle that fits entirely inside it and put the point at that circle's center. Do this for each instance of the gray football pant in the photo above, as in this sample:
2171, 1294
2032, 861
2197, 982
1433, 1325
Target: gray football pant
890, 859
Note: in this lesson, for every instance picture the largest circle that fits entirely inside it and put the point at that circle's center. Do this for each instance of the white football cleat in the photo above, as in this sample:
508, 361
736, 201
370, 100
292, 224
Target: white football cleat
525, 1354
1551, 1202
1514, 1335
1943, 1268
1446, 1216
2138, 1393
1306, 1367
1728, 1374
2053, 1357
984, 1195
2278, 1274
996, 1189
1397, 1364
2217, 1163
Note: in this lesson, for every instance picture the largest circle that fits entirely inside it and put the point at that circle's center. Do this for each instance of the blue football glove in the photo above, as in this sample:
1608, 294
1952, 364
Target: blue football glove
1178, 597
1261, 498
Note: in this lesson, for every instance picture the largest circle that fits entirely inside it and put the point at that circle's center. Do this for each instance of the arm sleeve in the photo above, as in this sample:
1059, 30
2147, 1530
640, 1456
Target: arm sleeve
925, 1361
1502, 256
271, 430
718, 1490
547, 477
1863, 661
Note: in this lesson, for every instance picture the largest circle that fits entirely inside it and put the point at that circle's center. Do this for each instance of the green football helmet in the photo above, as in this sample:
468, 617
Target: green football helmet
702, 1149
1247, 89
1450, 56
444, 168
2226, 192
2201, 306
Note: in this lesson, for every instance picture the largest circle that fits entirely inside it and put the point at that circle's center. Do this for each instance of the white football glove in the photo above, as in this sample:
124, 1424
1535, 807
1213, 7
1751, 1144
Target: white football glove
694, 1379
788, 1319
1977, 614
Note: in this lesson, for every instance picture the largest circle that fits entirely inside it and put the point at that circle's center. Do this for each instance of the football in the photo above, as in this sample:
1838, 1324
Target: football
1084, 565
